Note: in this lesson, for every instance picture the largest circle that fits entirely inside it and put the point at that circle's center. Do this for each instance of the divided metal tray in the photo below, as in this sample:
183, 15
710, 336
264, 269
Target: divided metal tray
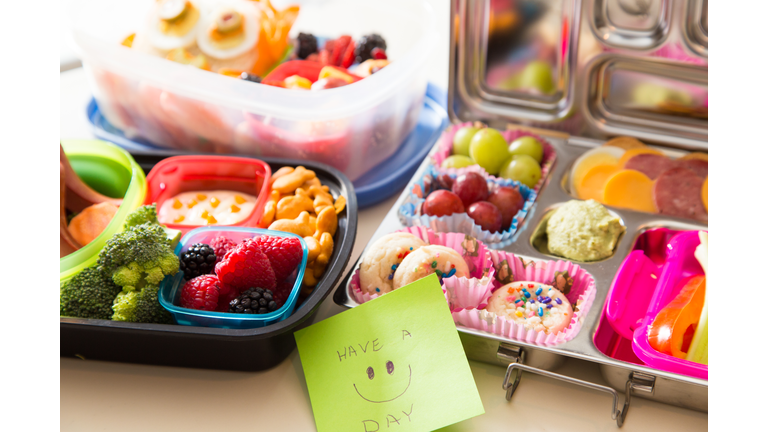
214, 348
645, 382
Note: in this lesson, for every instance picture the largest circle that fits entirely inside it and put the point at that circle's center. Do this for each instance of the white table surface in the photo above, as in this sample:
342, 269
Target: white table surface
99, 395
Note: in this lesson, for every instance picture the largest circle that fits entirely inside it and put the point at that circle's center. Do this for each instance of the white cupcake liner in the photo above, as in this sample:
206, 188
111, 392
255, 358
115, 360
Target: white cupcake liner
410, 213
458, 291
580, 293
445, 147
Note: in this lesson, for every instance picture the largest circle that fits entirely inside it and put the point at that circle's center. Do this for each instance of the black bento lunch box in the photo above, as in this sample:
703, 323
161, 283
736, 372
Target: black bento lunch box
215, 348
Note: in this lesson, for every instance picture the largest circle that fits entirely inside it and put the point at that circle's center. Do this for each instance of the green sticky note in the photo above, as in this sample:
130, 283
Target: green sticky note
393, 364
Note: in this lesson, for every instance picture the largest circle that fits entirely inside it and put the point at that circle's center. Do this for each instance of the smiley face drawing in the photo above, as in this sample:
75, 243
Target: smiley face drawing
389, 389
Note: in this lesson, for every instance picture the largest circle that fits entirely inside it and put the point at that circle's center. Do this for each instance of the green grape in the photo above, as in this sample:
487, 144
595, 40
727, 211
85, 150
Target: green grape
527, 145
522, 168
537, 75
462, 139
489, 149
457, 161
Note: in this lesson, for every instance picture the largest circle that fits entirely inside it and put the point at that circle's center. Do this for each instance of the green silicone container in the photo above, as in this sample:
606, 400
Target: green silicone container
111, 171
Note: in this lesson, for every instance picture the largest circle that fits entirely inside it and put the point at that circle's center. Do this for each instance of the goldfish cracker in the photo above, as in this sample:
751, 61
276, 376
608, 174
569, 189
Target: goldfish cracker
341, 202
327, 221
279, 173
313, 248
322, 201
309, 278
629, 154
705, 194
326, 248
290, 182
309, 183
313, 222
592, 185
291, 206
269, 213
318, 269
630, 189
299, 226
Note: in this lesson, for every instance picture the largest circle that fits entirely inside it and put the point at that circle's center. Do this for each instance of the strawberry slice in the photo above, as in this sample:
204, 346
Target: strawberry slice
339, 48
325, 57
349, 55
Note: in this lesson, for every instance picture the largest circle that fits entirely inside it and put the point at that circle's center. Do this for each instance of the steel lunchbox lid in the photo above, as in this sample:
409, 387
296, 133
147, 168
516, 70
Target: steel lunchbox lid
593, 69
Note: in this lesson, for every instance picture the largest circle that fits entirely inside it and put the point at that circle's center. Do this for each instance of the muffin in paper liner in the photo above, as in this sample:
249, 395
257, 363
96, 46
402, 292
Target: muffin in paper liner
476, 256
445, 146
575, 283
410, 212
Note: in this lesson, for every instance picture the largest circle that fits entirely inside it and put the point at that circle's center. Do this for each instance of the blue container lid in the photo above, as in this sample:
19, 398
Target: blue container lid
380, 183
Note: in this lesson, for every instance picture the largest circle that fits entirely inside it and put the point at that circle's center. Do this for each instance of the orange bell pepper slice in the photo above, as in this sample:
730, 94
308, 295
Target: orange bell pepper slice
672, 330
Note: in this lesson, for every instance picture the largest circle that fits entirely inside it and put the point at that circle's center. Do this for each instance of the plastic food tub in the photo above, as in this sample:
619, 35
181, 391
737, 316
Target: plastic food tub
170, 288
111, 171
681, 264
351, 128
179, 174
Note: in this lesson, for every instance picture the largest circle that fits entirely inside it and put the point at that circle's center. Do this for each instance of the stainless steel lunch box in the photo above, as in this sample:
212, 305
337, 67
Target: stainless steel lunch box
622, 67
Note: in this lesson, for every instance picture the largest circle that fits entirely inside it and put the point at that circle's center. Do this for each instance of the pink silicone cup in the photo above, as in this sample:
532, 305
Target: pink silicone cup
631, 293
581, 295
680, 265
445, 146
459, 291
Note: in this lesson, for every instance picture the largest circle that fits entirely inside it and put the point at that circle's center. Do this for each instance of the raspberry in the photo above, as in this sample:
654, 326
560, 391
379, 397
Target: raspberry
246, 266
221, 245
201, 293
284, 254
282, 292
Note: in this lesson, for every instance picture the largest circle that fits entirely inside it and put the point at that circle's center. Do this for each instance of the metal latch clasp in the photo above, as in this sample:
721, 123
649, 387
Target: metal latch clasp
637, 381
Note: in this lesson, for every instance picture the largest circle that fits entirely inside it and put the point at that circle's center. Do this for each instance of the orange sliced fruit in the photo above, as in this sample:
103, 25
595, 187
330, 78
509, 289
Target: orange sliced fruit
705, 193
625, 143
629, 154
630, 189
695, 155
593, 183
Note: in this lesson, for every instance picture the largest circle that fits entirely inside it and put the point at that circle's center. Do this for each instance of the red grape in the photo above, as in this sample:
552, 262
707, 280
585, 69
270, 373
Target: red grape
442, 203
486, 215
470, 187
509, 201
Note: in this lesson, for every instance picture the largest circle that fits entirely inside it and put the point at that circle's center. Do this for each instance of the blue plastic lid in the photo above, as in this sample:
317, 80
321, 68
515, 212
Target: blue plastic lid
380, 183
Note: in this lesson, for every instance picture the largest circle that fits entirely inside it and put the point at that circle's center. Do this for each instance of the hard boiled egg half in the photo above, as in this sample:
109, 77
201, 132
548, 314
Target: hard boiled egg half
229, 30
174, 24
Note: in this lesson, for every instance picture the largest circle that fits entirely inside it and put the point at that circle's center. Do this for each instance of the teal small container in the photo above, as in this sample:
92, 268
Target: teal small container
170, 289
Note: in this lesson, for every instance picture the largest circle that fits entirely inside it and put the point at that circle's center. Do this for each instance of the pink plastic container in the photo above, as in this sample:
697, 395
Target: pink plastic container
178, 174
681, 264
648, 279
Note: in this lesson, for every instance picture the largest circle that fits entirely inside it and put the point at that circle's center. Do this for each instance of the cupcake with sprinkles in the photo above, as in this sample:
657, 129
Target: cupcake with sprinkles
382, 259
461, 263
533, 305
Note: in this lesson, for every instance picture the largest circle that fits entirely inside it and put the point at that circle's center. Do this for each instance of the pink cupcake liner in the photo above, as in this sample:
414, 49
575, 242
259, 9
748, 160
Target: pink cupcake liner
445, 146
577, 285
457, 290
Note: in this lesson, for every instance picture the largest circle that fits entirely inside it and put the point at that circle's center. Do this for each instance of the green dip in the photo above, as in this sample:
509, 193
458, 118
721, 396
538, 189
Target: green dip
583, 231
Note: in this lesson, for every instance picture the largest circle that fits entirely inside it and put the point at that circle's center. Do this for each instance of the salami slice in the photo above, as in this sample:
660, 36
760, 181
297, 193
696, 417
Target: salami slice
698, 166
651, 165
677, 192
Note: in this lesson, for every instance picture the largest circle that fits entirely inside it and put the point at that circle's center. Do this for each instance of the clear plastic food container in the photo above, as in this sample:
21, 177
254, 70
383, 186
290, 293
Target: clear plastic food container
352, 128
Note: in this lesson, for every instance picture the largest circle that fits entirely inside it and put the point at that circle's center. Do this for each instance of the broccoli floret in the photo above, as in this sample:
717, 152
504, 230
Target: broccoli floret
141, 215
140, 306
89, 294
141, 255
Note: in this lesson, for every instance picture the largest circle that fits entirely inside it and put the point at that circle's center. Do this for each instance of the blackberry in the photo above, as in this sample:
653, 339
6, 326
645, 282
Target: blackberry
250, 77
306, 44
366, 44
198, 260
254, 301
